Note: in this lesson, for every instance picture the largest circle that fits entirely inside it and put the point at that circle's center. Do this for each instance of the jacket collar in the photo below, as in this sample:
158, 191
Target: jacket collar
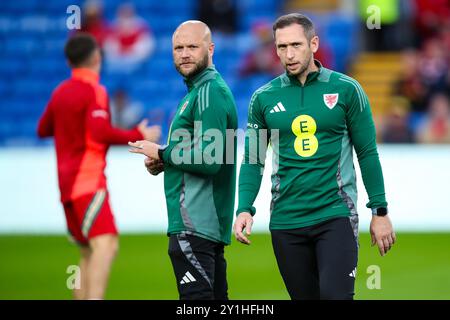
309, 78
196, 81
86, 75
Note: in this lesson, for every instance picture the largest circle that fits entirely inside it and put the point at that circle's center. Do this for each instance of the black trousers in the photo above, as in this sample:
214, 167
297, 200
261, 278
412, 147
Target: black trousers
199, 266
318, 262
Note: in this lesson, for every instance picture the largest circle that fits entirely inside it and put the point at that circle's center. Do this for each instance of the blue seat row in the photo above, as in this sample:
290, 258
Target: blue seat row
33, 33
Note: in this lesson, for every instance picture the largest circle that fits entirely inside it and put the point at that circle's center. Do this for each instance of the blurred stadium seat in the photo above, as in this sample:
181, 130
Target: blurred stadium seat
33, 33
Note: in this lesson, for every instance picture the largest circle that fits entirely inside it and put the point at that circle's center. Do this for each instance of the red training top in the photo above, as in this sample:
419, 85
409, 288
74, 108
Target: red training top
78, 117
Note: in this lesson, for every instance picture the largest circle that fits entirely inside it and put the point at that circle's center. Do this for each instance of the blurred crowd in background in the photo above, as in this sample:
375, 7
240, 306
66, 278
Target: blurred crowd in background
403, 65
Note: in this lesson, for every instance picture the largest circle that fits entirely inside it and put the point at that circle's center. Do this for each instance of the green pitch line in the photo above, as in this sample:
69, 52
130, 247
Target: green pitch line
34, 267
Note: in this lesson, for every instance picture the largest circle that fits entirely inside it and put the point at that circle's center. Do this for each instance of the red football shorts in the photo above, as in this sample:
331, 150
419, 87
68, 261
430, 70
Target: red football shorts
89, 216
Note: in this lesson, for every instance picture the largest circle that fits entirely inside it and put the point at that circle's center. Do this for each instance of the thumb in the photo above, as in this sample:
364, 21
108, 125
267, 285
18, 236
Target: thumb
373, 239
156, 129
248, 227
143, 123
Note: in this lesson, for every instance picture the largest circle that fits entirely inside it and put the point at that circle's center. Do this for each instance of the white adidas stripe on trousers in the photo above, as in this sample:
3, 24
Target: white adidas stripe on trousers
187, 278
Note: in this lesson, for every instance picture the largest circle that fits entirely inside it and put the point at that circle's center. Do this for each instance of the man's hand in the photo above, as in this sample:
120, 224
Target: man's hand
145, 147
154, 167
152, 133
382, 233
243, 221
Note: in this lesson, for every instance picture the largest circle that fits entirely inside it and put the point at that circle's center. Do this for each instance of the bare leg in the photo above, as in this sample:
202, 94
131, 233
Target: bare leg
81, 293
104, 249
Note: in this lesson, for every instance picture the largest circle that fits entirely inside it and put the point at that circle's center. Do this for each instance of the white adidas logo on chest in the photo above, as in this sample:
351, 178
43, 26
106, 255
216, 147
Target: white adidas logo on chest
278, 108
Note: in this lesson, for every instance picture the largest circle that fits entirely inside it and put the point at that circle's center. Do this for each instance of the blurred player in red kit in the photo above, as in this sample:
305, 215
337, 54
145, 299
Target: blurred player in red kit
78, 118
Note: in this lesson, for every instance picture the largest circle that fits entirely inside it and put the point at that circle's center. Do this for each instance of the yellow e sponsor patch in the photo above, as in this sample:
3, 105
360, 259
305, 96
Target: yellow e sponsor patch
306, 144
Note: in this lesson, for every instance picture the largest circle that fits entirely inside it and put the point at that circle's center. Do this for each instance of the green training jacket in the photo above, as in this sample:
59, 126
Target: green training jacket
319, 123
199, 182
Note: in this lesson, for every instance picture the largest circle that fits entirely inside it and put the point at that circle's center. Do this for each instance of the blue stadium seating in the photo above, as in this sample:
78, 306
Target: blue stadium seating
33, 33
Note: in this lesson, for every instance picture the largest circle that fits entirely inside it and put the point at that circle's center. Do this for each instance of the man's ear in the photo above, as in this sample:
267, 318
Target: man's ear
314, 44
276, 48
97, 57
211, 49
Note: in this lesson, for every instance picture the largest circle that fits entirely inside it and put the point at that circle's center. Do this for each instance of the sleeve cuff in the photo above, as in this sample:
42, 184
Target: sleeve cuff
251, 210
137, 135
166, 154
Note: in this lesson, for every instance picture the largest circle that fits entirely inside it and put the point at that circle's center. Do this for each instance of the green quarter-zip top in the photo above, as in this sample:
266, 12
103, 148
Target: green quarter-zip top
199, 182
313, 129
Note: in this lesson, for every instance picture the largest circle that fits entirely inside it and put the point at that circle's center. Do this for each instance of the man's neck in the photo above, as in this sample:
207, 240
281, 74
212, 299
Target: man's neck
194, 78
86, 74
92, 68
311, 68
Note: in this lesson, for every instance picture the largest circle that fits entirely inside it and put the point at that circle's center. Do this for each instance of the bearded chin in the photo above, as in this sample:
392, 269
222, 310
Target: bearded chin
199, 67
302, 69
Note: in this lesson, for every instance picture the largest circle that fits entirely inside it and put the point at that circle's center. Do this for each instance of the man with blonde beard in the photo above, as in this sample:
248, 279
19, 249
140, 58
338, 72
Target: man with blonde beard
199, 183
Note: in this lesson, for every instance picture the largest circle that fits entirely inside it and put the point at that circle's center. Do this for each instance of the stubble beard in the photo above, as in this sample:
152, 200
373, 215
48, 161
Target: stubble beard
302, 70
199, 67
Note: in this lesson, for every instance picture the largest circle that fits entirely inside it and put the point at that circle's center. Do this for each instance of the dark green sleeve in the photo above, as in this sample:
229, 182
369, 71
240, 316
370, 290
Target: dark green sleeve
252, 166
363, 136
202, 153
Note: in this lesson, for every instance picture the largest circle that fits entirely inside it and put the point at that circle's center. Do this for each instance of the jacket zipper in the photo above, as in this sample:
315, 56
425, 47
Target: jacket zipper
302, 94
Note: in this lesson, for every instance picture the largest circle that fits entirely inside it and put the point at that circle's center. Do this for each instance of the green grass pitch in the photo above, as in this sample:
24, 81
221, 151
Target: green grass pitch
34, 267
